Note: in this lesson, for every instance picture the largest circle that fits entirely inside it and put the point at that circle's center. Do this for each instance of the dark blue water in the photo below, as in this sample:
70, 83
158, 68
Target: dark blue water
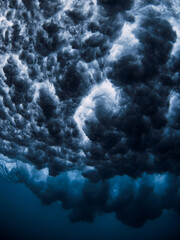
23, 217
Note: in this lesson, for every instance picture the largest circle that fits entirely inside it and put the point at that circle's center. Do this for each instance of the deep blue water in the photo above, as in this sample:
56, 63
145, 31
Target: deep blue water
23, 217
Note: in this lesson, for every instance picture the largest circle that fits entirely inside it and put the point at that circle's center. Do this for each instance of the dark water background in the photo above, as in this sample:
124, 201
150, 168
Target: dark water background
23, 217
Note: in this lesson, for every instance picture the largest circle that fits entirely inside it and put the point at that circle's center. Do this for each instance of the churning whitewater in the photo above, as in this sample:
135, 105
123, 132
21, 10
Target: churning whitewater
90, 104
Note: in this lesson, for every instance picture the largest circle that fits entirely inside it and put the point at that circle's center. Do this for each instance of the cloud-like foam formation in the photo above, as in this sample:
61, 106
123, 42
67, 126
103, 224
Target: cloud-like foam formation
89, 104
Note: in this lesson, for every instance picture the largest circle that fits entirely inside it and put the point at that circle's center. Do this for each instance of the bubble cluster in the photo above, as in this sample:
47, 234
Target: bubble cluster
89, 104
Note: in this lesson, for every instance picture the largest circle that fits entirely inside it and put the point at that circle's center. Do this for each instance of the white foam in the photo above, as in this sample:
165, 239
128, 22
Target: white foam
109, 96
